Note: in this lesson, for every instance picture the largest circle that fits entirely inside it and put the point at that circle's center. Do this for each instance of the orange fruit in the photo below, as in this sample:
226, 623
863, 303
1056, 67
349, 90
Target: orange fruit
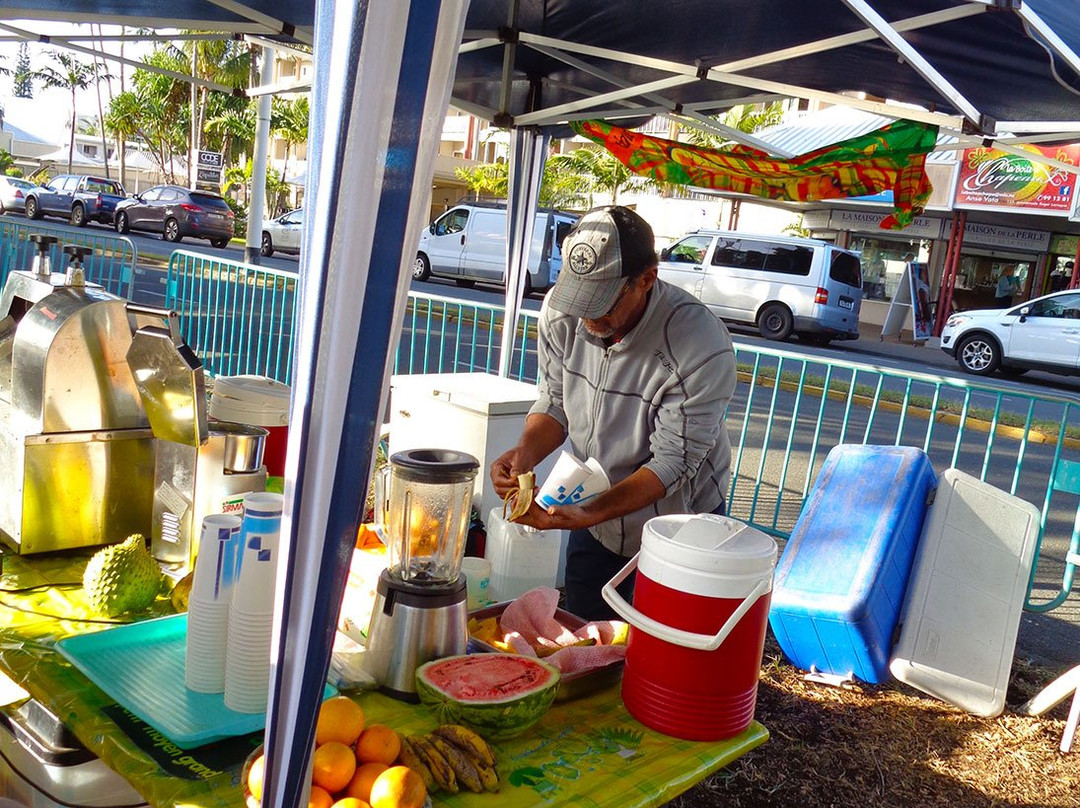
319, 798
350, 802
378, 744
255, 777
333, 766
360, 785
398, 787
340, 719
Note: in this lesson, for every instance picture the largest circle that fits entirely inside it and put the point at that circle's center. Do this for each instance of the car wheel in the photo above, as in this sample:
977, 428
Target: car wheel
978, 354
32, 209
776, 322
421, 268
219, 242
122, 225
267, 248
78, 216
172, 231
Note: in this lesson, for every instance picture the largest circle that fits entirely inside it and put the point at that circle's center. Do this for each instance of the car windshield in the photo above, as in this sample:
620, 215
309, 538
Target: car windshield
24, 184
210, 201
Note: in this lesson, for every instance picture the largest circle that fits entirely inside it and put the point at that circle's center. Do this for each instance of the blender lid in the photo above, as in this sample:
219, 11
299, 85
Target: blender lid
435, 465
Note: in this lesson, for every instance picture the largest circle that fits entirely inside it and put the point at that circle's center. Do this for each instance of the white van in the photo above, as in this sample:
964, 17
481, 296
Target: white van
468, 244
782, 285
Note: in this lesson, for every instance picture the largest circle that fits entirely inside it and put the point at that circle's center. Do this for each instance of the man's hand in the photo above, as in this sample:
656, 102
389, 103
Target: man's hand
505, 470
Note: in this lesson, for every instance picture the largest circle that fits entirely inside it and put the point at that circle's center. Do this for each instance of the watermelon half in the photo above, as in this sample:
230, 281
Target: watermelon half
497, 695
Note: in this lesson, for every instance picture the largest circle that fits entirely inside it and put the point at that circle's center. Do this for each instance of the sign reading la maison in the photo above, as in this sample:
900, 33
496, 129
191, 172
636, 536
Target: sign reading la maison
866, 222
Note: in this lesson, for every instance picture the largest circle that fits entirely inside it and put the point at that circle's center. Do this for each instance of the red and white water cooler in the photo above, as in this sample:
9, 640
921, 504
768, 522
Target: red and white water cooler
260, 401
697, 625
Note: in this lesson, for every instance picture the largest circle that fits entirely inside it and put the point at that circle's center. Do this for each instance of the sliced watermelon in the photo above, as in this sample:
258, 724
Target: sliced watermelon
497, 695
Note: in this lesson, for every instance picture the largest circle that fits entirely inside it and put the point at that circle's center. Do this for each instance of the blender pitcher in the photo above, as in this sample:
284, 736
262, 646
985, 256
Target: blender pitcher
423, 502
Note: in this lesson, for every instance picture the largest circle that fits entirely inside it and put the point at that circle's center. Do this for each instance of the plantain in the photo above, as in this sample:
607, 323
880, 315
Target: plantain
409, 757
440, 768
467, 741
464, 768
182, 592
489, 778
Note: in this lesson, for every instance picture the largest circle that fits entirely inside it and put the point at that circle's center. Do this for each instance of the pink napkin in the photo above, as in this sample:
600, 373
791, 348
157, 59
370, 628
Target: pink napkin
529, 623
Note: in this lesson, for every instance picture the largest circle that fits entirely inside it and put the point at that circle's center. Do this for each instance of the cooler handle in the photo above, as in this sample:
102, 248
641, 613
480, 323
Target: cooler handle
662, 631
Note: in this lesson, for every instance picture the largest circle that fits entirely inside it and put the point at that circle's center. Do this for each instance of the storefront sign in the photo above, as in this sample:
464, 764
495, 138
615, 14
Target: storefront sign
1064, 245
865, 222
995, 179
1011, 238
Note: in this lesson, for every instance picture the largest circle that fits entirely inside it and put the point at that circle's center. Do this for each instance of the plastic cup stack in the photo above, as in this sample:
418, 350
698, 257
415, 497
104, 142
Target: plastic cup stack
208, 604
251, 615
572, 481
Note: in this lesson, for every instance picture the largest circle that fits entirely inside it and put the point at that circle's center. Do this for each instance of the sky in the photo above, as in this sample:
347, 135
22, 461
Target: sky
46, 115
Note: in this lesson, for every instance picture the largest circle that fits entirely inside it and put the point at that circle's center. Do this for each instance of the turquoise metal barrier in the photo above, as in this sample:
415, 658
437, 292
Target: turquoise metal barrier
788, 411
238, 318
112, 263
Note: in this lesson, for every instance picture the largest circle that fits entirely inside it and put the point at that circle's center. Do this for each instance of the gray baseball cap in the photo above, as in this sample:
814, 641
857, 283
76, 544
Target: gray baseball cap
607, 246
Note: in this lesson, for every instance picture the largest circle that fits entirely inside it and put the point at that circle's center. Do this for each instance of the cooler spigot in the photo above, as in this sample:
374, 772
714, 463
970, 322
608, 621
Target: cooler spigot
75, 276
42, 262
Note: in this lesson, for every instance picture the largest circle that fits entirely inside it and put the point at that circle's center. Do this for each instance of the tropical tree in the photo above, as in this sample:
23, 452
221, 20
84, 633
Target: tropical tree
600, 172
289, 121
745, 118
559, 188
68, 73
122, 122
233, 130
24, 75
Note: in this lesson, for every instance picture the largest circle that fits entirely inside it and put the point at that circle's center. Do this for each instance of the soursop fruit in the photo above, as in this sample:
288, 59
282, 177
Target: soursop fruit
122, 577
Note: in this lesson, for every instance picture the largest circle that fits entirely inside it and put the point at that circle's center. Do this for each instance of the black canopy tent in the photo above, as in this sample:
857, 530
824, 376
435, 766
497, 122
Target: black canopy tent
385, 72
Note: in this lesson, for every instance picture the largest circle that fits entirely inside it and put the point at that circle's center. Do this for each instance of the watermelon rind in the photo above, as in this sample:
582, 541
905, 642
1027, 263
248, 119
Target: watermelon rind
495, 718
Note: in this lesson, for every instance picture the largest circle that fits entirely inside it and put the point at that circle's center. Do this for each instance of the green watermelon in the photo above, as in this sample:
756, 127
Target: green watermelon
497, 695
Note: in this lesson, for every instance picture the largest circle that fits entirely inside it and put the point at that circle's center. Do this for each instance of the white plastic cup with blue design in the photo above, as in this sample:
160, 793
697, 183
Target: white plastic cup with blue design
260, 537
572, 482
216, 565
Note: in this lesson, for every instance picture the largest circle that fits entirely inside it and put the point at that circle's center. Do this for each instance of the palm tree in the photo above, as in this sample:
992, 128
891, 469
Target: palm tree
233, 129
70, 74
600, 171
290, 123
122, 122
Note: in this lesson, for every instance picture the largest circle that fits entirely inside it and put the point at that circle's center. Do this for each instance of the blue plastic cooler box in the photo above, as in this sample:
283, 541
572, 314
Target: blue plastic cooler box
840, 582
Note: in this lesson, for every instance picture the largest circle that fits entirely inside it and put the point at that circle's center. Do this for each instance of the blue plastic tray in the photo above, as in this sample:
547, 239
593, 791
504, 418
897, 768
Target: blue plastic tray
141, 667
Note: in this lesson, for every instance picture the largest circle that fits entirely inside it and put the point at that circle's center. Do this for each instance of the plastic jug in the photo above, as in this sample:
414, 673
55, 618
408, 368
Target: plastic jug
522, 558
697, 626
260, 401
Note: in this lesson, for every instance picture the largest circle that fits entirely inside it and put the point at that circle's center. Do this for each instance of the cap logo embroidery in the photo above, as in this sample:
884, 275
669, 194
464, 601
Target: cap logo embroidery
582, 258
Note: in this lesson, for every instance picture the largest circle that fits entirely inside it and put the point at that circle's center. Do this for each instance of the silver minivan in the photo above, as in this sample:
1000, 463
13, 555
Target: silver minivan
780, 284
468, 244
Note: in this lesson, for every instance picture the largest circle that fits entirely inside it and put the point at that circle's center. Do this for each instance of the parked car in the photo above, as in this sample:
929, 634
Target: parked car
1042, 334
177, 212
468, 244
283, 233
783, 285
79, 199
13, 193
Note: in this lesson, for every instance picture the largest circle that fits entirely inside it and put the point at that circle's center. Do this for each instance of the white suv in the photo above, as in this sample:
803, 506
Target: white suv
1042, 334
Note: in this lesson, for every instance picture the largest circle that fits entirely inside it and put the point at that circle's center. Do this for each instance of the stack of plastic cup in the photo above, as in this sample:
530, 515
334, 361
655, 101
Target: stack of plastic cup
251, 614
208, 604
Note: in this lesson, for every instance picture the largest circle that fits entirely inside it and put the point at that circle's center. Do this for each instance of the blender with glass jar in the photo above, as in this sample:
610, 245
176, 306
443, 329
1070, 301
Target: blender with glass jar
423, 502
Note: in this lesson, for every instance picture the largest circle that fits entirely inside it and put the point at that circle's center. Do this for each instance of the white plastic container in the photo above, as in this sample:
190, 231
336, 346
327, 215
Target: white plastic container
259, 401
522, 558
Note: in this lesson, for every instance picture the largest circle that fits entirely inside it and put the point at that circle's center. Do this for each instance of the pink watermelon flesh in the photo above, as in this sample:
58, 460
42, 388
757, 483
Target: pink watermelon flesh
485, 677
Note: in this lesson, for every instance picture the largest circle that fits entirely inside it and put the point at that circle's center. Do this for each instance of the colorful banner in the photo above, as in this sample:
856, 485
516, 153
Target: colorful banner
995, 179
891, 158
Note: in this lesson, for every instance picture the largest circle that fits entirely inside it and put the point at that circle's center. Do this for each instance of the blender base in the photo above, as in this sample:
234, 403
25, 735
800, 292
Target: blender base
412, 624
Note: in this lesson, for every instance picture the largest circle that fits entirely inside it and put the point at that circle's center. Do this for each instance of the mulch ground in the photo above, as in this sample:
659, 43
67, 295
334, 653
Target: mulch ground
890, 746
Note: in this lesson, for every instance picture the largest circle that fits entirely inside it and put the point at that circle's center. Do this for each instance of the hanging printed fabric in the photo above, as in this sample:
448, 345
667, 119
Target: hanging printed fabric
891, 158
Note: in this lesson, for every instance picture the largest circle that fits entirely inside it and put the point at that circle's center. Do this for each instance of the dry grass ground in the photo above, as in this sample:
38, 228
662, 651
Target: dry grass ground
890, 746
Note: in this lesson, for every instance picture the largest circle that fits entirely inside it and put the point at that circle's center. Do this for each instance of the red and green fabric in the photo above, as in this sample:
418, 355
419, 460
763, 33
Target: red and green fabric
891, 158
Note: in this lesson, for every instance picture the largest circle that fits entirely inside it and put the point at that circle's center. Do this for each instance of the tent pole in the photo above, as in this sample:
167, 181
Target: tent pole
383, 71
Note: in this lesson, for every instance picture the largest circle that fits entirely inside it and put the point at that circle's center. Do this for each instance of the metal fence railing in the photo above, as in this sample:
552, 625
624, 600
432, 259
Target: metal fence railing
788, 412
111, 264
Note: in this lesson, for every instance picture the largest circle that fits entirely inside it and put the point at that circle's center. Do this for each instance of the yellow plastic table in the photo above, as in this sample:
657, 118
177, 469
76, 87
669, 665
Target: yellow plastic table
588, 752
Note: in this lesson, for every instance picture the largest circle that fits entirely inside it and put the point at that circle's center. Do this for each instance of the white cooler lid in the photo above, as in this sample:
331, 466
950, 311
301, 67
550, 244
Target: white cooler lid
241, 398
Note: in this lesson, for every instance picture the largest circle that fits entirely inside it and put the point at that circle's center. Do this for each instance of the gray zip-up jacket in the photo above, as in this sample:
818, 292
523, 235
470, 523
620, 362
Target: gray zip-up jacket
655, 399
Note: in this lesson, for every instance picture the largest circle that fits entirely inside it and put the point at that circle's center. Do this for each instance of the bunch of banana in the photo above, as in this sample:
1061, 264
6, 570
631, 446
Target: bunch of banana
451, 758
